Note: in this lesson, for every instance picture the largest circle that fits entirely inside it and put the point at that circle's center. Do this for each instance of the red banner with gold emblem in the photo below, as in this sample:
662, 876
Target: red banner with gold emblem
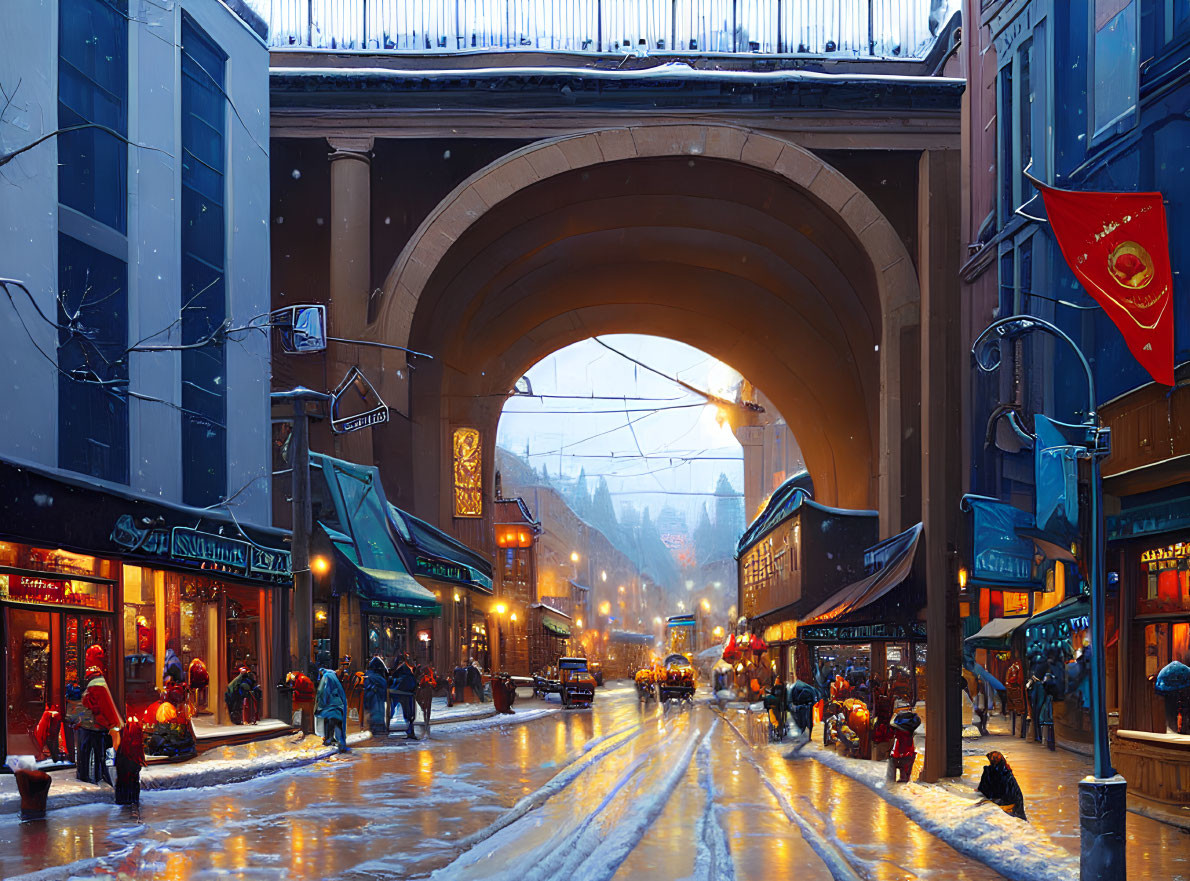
1118, 246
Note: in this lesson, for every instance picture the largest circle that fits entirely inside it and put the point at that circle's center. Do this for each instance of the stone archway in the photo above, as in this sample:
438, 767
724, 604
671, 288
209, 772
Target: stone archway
474, 240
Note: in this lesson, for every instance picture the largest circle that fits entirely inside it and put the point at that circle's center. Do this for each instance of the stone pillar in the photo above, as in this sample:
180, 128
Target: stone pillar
943, 368
351, 277
351, 235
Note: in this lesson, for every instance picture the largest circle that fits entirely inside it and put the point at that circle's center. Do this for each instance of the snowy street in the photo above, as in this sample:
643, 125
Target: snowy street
613, 792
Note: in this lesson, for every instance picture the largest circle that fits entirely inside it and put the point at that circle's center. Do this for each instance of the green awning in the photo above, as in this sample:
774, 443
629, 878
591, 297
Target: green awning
558, 629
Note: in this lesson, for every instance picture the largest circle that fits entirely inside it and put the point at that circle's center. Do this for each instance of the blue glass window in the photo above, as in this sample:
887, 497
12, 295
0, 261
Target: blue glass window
204, 294
92, 406
1007, 159
93, 90
1117, 69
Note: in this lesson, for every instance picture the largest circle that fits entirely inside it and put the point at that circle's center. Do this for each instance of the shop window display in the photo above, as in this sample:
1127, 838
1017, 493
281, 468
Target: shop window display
243, 630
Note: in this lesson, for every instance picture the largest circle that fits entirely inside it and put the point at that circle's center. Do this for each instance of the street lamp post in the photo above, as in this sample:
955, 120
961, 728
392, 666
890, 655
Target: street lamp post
1102, 798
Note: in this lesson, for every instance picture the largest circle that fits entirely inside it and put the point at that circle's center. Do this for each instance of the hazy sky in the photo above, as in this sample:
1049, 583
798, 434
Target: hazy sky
675, 425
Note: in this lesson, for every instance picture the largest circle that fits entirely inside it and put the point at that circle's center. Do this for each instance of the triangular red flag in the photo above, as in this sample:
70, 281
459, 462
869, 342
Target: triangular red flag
1118, 246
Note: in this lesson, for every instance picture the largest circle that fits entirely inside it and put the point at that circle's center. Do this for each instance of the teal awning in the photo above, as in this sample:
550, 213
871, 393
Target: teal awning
558, 629
367, 562
1061, 622
393, 588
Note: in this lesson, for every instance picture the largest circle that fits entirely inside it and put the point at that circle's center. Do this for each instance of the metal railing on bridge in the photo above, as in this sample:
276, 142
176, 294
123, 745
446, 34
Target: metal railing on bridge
835, 28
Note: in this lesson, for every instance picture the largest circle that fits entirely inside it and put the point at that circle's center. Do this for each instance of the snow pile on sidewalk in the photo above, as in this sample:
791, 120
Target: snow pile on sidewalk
233, 764
1012, 847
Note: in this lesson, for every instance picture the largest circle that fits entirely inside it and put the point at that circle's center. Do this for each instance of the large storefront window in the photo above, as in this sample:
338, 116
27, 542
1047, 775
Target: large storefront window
50, 619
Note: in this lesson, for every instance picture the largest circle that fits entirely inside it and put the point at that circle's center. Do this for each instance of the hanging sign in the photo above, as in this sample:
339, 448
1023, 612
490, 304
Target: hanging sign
356, 404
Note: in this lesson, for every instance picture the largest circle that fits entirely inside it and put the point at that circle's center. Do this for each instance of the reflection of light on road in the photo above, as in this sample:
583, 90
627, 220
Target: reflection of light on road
560, 737
425, 768
176, 866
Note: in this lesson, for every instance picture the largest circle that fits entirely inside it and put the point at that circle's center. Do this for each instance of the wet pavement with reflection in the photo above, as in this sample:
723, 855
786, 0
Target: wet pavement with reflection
618, 791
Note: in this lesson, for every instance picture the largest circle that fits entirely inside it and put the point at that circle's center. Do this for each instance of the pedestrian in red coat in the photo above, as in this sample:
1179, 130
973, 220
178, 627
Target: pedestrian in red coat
130, 758
101, 721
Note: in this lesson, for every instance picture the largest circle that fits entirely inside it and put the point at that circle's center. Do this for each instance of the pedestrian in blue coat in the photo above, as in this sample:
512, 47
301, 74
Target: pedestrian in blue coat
331, 706
376, 695
404, 685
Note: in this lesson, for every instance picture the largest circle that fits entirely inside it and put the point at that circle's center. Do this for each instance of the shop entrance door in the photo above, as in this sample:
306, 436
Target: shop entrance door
29, 686
46, 654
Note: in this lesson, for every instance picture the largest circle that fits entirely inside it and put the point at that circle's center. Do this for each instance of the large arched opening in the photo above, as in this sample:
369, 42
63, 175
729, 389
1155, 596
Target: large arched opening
746, 247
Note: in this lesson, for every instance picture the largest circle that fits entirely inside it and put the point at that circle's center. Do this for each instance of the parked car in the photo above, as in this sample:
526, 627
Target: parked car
571, 680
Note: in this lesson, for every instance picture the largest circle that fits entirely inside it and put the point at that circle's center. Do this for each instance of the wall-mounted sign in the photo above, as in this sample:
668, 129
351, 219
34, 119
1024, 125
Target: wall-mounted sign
270, 562
840, 634
356, 404
205, 547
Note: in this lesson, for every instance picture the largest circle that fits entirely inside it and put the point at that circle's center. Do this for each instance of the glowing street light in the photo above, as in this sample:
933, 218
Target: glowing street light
320, 565
706, 606
501, 608
574, 556
579, 622
603, 574
718, 631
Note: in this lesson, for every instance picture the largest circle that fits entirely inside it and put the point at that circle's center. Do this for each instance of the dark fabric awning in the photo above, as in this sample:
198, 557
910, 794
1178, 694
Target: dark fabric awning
900, 553
996, 634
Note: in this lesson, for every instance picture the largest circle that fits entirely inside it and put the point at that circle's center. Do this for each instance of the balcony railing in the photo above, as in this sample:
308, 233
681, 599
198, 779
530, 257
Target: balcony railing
835, 28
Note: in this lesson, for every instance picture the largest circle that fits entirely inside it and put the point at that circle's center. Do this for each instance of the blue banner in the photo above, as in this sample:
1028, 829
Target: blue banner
1001, 555
1056, 474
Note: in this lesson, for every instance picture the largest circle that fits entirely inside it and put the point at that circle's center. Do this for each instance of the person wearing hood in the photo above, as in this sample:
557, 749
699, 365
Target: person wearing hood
130, 758
998, 785
376, 695
331, 707
101, 721
404, 685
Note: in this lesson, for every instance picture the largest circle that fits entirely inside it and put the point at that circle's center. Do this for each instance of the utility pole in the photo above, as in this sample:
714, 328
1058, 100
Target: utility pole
304, 402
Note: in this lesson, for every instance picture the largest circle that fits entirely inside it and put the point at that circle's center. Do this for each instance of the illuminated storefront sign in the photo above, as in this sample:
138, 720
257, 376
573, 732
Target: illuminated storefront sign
1168, 554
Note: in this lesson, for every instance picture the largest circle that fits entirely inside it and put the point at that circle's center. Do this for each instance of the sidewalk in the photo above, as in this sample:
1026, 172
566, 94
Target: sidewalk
1046, 848
233, 764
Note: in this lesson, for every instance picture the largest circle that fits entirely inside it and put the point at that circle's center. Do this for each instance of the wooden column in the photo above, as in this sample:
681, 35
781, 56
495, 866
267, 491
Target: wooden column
943, 366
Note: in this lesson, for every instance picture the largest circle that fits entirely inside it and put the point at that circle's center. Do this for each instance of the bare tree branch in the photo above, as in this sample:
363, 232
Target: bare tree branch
5, 158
